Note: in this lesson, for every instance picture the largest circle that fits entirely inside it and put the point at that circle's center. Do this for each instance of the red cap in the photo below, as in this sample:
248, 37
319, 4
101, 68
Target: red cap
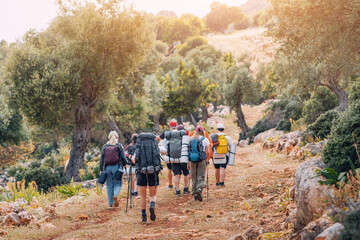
199, 128
173, 124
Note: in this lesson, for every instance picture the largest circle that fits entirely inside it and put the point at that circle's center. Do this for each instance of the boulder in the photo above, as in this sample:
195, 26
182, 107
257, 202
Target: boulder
34, 203
7, 207
331, 233
314, 228
51, 211
25, 218
252, 233
12, 219
89, 184
38, 212
308, 192
267, 135
73, 199
243, 143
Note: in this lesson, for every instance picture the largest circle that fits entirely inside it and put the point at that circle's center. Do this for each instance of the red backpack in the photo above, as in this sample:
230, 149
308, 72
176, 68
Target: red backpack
111, 155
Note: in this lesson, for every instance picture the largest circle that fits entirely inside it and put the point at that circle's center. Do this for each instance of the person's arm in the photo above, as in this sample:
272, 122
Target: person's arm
229, 141
207, 150
102, 158
122, 155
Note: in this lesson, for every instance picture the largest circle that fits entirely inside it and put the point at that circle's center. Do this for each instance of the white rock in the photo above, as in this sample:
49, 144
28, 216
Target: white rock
331, 233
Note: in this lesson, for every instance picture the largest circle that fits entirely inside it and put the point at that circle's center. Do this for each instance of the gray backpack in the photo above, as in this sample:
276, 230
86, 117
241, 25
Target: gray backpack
174, 143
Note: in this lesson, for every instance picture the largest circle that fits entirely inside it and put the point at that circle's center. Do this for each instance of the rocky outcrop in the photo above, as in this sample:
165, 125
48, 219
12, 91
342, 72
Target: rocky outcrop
243, 143
308, 192
269, 135
331, 233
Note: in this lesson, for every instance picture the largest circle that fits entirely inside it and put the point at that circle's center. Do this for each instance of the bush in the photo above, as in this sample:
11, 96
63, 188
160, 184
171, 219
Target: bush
45, 178
322, 126
161, 47
189, 44
320, 102
340, 147
293, 110
354, 93
351, 226
245, 23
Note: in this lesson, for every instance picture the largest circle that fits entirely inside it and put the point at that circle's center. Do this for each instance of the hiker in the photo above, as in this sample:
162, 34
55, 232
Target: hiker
147, 158
129, 152
172, 126
113, 161
210, 154
221, 154
198, 157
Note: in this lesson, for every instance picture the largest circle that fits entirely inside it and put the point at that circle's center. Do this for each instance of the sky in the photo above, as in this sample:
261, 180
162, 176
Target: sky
19, 16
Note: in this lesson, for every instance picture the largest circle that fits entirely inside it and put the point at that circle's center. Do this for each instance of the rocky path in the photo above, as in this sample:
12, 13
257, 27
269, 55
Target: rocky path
247, 206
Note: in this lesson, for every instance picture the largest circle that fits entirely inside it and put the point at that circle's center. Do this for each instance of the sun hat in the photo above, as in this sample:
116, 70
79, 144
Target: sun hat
199, 128
173, 124
220, 126
180, 127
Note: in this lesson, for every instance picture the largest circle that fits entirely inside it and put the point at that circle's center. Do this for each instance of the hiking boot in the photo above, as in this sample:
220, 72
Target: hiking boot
144, 219
217, 184
111, 206
195, 198
198, 194
152, 213
116, 202
186, 190
222, 184
136, 194
170, 187
177, 193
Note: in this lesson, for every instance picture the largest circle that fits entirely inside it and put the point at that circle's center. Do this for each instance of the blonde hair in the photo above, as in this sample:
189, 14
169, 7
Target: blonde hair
113, 138
197, 134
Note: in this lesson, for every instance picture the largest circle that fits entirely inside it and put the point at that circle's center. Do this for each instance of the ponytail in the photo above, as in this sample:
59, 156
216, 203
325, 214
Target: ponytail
113, 138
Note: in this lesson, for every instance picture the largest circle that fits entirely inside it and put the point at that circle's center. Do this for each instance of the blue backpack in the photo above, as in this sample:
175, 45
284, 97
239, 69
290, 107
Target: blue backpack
197, 152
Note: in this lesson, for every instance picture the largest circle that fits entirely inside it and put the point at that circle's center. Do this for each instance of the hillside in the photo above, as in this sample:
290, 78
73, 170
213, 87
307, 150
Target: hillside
253, 6
252, 41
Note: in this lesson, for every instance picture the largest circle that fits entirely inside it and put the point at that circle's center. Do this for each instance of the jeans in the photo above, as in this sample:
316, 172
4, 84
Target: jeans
198, 171
113, 186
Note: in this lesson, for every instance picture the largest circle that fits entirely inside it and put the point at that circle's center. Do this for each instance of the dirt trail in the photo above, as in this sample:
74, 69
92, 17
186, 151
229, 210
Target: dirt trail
253, 186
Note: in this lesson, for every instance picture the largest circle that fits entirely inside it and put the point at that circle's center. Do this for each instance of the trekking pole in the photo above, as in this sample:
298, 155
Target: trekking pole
131, 190
127, 197
207, 184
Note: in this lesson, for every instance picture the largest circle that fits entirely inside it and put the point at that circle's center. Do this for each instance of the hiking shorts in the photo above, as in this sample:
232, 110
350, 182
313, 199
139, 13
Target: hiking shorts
217, 166
169, 166
149, 180
179, 168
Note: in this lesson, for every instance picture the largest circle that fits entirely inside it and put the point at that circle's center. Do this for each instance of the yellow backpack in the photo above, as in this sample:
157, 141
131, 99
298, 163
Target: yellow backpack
222, 148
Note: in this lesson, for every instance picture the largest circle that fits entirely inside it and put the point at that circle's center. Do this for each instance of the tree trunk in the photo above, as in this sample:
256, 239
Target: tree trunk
215, 105
341, 94
192, 119
241, 118
205, 113
157, 123
112, 125
80, 140
179, 120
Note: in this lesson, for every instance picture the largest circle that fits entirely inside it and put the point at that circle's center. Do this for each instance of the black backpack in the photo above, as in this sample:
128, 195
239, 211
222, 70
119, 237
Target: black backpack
148, 154
131, 149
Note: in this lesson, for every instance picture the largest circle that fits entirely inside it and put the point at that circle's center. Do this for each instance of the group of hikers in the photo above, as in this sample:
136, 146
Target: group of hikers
185, 153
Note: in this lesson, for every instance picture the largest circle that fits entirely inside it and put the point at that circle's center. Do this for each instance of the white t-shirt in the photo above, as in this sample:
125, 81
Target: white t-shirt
205, 142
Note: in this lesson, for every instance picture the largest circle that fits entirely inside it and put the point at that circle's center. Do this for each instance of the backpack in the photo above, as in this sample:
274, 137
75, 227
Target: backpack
197, 152
210, 140
148, 154
131, 149
222, 147
111, 156
175, 143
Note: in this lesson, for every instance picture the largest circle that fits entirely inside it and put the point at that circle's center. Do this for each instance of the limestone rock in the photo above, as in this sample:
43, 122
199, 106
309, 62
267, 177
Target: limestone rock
34, 203
73, 199
51, 211
12, 219
331, 233
7, 207
308, 191
89, 184
243, 143
252, 233
3, 232
25, 218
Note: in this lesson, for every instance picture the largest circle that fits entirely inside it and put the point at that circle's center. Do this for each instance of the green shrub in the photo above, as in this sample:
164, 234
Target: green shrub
189, 44
11, 172
354, 93
351, 225
320, 102
293, 110
45, 178
340, 147
71, 189
322, 126
35, 164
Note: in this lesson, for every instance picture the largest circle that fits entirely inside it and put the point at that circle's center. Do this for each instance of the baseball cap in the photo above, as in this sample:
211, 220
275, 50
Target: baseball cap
199, 128
220, 126
172, 124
